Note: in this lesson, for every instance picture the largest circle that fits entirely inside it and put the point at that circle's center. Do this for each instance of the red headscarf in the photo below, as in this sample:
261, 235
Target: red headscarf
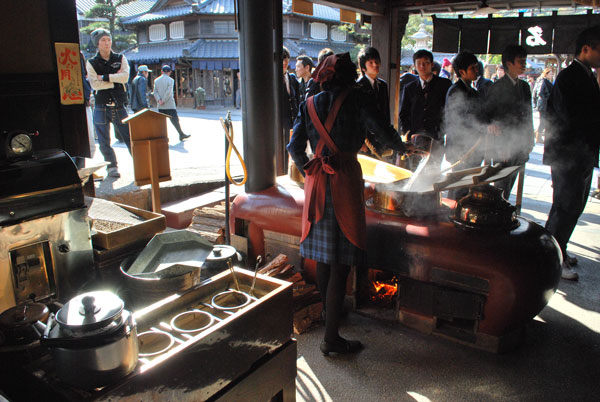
325, 70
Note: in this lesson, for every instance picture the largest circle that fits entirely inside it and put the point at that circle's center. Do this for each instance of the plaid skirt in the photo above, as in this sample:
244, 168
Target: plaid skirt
327, 243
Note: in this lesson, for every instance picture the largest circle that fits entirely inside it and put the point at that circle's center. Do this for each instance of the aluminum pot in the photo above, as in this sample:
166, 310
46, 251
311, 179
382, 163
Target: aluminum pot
94, 342
413, 204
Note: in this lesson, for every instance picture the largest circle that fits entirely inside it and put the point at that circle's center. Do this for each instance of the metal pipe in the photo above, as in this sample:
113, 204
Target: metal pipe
258, 103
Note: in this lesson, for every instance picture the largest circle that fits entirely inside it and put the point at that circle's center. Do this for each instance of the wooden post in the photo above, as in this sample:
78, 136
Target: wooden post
520, 183
150, 151
153, 168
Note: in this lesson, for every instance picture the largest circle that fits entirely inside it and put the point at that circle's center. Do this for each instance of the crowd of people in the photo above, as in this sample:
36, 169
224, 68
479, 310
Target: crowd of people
107, 73
455, 108
463, 116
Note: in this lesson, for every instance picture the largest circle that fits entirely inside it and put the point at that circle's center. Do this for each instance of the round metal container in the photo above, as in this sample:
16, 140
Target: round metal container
152, 343
388, 199
192, 321
230, 300
146, 289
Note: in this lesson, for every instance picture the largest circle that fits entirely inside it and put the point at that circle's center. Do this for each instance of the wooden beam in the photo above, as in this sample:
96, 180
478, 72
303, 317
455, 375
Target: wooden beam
302, 7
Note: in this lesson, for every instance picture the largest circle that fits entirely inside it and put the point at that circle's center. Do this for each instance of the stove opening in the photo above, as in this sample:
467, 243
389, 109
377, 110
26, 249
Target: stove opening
376, 294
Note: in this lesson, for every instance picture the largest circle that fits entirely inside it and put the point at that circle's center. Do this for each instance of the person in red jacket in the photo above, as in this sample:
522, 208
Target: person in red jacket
335, 123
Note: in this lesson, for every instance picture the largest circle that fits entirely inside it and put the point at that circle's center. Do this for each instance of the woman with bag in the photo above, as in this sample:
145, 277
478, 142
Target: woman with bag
333, 220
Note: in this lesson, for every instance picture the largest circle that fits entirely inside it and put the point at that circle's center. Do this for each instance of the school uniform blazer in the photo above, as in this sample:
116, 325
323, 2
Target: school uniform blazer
420, 114
290, 102
573, 135
483, 86
462, 123
380, 99
508, 106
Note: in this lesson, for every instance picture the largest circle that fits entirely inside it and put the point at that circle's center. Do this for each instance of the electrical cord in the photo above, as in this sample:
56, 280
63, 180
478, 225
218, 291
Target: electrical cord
228, 127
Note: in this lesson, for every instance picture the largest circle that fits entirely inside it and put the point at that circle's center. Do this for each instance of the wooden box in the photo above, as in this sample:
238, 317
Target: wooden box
152, 224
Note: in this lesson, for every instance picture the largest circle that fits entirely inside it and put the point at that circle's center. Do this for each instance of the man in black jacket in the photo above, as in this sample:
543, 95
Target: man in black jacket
139, 88
289, 111
482, 84
462, 123
108, 72
573, 138
304, 66
422, 105
509, 114
374, 88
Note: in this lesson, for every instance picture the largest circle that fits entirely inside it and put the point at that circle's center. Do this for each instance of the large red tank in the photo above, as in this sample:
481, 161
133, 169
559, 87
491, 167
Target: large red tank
478, 287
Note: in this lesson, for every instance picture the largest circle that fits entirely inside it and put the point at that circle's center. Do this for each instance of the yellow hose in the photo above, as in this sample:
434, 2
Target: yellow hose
228, 127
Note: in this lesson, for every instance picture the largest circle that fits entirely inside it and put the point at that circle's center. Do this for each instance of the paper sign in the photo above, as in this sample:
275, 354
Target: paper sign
69, 73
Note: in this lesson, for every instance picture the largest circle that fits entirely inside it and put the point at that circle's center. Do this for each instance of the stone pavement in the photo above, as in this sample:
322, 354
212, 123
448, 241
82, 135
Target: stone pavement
197, 165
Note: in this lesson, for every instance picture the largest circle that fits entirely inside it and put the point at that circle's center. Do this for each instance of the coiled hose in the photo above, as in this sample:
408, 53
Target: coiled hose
228, 127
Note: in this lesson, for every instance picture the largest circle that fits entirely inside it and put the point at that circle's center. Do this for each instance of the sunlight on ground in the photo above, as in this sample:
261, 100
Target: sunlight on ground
589, 319
308, 387
418, 397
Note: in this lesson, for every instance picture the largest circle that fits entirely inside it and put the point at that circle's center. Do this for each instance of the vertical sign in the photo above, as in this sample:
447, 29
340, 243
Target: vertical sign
69, 73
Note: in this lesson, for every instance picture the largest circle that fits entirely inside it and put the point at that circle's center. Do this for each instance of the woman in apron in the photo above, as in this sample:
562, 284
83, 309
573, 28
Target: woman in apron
333, 221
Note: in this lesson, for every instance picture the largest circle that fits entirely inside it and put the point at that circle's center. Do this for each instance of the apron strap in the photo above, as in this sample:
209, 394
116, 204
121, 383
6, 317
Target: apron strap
324, 130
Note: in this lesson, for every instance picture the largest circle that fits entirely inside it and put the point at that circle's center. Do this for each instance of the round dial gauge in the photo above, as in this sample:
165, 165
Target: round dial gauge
21, 144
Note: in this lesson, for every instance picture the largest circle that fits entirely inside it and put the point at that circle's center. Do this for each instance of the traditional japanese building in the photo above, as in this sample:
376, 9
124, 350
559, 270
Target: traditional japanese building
198, 39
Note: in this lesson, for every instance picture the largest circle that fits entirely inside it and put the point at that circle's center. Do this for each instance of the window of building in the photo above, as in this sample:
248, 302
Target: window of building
295, 27
206, 27
337, 35
157, 32
176, 30
318, 30
223, 27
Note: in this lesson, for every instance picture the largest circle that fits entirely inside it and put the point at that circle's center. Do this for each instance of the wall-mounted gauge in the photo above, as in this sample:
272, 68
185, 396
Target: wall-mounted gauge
17, 145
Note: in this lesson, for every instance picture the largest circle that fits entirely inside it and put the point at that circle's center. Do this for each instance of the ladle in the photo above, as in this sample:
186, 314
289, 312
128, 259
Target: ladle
258, 261
235, 280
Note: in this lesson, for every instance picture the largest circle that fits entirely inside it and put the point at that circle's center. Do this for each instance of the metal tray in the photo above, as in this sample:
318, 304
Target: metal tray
181, 247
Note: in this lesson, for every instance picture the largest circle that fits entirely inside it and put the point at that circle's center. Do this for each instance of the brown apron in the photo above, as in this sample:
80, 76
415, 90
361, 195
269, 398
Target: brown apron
345, 179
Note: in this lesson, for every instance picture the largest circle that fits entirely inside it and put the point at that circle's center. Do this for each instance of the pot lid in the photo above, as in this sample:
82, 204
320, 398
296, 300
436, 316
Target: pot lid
25, 314
90, 310
221, 252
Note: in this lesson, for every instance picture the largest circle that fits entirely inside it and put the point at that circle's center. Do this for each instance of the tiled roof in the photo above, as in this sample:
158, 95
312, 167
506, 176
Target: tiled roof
217, 7
125, 10
312, 48
162, 14
155, 52
214, 49
200, 49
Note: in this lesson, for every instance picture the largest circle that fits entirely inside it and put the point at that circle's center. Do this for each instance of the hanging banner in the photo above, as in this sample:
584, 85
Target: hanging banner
538, 35
69, 73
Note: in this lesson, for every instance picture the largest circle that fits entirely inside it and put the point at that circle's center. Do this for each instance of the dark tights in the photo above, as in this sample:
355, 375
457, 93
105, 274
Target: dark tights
331, 279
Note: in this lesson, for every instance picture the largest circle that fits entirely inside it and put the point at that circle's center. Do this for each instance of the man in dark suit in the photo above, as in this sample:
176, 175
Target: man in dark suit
374, 88
572, 143
508, 112
289, 111
304, 66
482, 84
461, 120
422, 105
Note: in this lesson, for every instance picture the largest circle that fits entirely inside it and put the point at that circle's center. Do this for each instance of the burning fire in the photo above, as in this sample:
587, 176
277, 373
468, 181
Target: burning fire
384, 291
